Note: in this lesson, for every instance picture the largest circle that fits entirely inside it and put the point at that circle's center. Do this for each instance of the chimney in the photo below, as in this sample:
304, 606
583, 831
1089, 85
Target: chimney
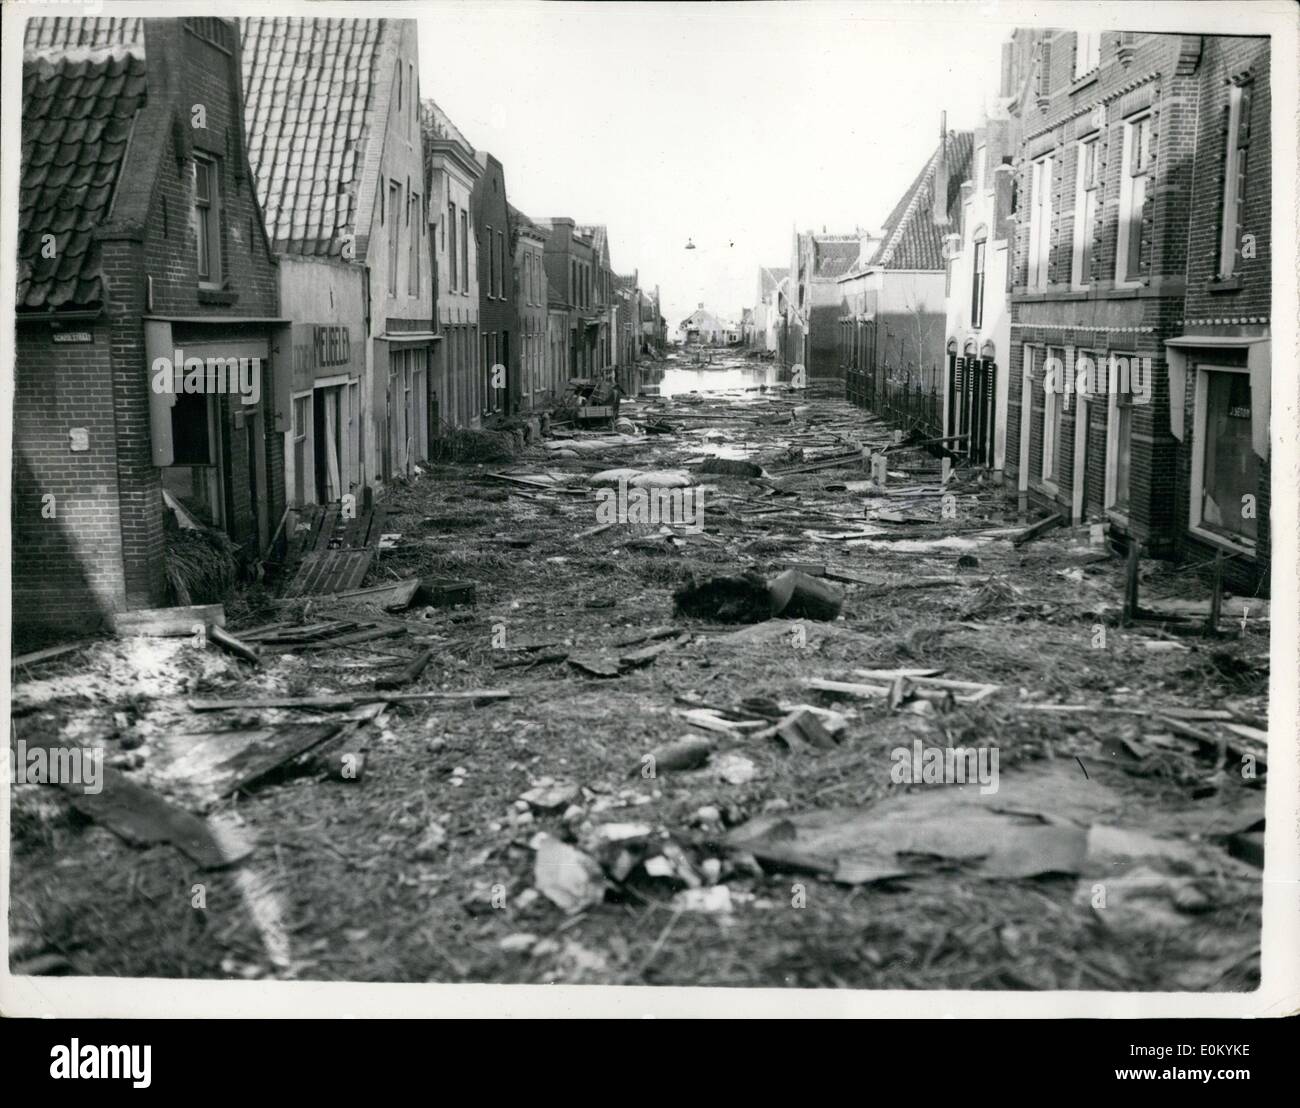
940, 187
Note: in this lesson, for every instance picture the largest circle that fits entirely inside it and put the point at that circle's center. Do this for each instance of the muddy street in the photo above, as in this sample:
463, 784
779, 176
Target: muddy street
744, 689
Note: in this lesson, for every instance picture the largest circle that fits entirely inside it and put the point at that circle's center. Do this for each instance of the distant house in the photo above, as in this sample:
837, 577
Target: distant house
892, 313
768, 310
497, 320
339, 173
571, 270
451, 168
703, 326
532, 365
817, 263
141, 254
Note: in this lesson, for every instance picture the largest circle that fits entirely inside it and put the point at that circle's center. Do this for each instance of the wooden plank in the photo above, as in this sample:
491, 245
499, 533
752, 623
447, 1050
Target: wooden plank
326, 532
168, 622
1039, 528
263, 756
143, 818
355, 528
407, 674
344, 700
49, 653
232, 645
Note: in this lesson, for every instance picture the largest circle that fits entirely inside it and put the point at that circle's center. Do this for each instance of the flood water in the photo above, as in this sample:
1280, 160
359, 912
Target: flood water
720, 377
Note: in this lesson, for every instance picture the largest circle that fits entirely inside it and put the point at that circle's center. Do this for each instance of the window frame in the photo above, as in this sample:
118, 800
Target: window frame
1038, 275
1195, 524
453, 253
1087, 45
1087, 204
1114, 401
979, 265
1131, 210
1233, 189
394, 233
207, 219
1051, 416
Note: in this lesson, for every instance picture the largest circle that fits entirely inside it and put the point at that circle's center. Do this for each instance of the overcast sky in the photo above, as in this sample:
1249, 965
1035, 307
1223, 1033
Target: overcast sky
727, 124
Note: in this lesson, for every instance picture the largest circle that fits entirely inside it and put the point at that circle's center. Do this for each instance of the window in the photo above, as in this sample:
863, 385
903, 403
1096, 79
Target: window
464, 251
1225, 468
981, 161
452, 252
501, 264
977, 287
1138, 156
1055, 385
1237, 140
415, 102
1040, 222
207, 219
1119, 448
416, 226
1085, 213
1087, 52
491, 289
394, 232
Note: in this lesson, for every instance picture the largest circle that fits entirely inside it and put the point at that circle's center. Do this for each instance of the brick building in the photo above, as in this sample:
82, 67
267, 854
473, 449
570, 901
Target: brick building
451, 168
978, 252
141, 250
1108, 127
331, 109
890, 312
490, 215
570, 275
536, 388
817, 263
1219, 361
601, 298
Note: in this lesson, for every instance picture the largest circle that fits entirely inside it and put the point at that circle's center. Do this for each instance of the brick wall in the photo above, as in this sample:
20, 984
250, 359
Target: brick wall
106, 550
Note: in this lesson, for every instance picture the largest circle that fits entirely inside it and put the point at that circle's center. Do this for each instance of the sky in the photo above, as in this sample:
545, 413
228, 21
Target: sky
724, 124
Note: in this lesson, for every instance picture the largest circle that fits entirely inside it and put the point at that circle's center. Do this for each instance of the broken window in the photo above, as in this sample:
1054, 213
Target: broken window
1236, 126
1229, 468
193, 478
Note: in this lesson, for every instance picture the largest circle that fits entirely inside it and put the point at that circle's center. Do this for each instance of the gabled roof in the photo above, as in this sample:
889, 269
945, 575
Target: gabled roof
834, 256
595, 234
435, 123
912, 239
309, 111
769, 278
523, 225
78, 111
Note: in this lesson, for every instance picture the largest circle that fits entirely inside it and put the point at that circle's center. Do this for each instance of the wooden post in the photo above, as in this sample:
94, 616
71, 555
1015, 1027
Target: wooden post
1131, 581
1216, 600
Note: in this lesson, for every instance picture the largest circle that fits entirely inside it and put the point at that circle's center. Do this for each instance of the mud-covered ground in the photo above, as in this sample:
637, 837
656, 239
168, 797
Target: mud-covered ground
425, 869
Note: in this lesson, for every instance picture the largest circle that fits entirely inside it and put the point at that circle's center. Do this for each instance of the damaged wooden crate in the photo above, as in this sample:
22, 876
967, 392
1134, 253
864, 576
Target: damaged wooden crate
336, 549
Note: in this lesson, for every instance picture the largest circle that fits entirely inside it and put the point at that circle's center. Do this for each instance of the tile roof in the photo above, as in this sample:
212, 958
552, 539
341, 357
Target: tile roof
834, 256
66, 35
912, 239
309, 102
76, 124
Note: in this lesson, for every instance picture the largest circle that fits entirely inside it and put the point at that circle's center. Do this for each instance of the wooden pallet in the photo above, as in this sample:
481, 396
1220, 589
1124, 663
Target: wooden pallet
330, 571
